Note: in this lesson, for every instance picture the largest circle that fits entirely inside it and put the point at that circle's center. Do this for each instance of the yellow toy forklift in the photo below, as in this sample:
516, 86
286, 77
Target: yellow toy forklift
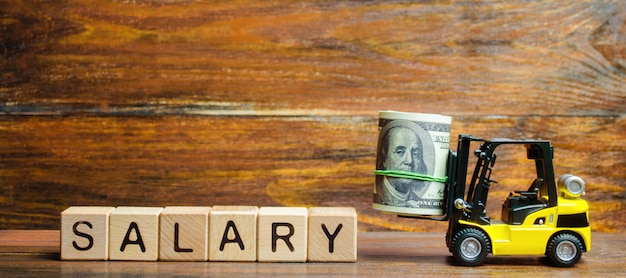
543, 219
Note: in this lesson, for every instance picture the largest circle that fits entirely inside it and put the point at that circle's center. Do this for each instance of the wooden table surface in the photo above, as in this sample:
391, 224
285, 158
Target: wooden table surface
389, 254
275, 103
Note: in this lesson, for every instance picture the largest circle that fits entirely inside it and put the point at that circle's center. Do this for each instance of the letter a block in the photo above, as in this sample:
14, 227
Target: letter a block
184, 234
134, 234
282, 234
332, 234
84, 233
232, 234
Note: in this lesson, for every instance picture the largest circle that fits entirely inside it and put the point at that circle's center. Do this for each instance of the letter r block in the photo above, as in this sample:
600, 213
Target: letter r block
232, 234
184, 234
332, 234
85, 233
282, 235
134, 234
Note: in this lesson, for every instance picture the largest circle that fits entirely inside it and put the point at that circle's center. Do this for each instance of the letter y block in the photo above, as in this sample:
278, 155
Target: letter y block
332, 234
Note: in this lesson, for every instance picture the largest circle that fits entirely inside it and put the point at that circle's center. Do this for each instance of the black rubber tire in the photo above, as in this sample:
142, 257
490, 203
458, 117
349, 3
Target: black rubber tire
564, 250
470, 247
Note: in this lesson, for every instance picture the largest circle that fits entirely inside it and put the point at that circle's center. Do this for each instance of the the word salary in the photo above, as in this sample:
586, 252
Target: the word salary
218, 233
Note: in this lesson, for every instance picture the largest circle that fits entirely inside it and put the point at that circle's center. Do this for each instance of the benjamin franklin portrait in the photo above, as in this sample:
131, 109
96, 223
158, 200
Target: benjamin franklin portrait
403, 146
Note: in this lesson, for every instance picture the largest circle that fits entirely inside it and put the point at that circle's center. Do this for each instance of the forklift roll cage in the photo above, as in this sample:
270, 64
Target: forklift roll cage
541, 151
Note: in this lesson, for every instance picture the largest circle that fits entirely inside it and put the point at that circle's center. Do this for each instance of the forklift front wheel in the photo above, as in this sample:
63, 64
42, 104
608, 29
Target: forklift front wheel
470, 247
564, 250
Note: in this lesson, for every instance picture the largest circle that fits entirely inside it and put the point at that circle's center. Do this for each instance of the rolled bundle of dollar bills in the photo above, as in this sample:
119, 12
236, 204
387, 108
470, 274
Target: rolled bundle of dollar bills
411, 160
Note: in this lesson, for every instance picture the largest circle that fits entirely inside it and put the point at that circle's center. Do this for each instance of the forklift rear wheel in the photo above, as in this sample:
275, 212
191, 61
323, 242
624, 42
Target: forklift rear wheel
470, 247
564, 250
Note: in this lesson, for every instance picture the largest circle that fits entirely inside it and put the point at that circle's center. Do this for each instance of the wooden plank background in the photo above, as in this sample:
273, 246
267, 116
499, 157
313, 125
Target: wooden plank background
182, 102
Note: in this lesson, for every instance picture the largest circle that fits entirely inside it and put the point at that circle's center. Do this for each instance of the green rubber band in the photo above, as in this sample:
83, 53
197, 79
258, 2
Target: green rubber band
409, 175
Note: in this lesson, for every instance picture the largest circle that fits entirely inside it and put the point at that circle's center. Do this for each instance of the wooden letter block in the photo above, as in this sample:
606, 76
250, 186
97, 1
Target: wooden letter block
184, 234
84, 233
282, 235
232, 235
134, 234
332, 234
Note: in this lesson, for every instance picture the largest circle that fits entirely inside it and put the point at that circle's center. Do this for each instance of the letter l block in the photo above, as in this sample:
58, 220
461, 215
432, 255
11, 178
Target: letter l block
85, 233
184, 234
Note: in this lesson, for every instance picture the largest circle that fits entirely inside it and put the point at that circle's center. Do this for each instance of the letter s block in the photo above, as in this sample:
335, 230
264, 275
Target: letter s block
332, 234
134, 234
282, 235
85, 233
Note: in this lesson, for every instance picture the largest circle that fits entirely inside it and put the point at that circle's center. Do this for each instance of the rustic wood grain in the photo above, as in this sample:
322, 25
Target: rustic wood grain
394, 254
157, 103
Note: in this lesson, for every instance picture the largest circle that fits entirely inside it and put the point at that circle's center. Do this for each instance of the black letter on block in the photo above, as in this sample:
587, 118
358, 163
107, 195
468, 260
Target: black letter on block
331, 237
176, 248
286, 237
225, 239
133, 226
87, 236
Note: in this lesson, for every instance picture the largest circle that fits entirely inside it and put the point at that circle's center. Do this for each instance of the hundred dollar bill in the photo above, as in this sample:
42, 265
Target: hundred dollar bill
411, 161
